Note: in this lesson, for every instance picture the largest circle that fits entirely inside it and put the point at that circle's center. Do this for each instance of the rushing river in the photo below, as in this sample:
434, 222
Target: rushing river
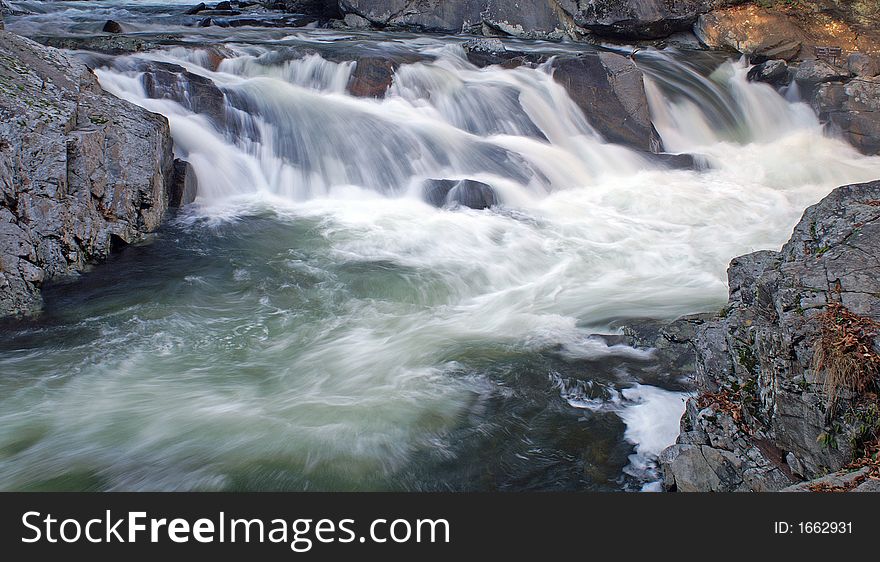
309, 323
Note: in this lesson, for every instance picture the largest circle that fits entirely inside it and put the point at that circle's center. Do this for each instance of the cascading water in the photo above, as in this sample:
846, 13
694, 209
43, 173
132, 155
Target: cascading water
311, 323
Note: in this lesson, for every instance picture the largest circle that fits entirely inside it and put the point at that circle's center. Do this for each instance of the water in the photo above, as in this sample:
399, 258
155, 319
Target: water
310, 323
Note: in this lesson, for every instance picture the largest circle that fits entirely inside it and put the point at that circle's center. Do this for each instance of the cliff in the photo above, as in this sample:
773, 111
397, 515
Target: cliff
766, 416
81, 172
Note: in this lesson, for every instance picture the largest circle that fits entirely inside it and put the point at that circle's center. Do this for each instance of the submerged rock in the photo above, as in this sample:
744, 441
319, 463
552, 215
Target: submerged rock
112, 27
81, 171
468, 193
760, 422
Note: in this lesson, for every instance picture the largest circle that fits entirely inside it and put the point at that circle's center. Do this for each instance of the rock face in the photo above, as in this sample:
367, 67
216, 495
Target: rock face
760, 423
852, 109
552, 19
81, 172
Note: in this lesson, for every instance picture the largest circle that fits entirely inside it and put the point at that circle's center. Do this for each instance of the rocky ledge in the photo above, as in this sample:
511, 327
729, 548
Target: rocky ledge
81, 172
762, 420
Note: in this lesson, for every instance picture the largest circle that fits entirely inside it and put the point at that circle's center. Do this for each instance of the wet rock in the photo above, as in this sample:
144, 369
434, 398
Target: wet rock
193, 91
373, 74
468, 193
185, 186
79, 169
108, 44
371, 78
773, 72
610, 90
196, 9
112, 27
773, 428
487, 52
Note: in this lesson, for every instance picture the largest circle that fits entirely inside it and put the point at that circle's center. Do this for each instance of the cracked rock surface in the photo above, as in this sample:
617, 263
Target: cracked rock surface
759, 353
81, 172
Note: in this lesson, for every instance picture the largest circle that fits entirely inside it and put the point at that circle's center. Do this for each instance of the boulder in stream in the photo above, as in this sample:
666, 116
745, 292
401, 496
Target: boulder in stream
468, 193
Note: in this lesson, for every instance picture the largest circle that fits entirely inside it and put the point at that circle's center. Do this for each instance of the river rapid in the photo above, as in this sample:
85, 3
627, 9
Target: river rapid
310, 323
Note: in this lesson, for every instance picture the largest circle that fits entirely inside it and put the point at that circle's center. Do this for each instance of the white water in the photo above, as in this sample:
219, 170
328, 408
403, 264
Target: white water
587, 232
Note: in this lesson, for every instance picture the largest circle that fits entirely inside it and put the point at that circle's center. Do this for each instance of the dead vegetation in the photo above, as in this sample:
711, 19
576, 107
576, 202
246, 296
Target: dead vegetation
845, 353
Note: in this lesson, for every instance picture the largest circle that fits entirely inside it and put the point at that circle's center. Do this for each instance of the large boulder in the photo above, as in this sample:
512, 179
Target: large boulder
81, 172
760, 33
761, 421
610, 90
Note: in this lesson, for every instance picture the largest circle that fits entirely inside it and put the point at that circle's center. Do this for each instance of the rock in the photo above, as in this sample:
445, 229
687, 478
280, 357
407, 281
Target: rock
371, 77
193, 91
185, 187
196, 9
865, 66
852, 110
812, 72
840, 481
355, 21
112, 27
760, 33
80, 170
640, 19
227, 6
773, 72
469, 193
772, 430
487, 52
537, 19
109, 44
610, 90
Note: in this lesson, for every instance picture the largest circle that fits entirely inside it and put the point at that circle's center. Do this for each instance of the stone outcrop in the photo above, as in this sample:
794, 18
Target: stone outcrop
761, 421
551, 19
852, 110
81, 172
781, 31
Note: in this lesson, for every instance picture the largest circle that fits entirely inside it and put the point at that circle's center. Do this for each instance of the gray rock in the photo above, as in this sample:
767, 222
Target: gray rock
814, 71
759, 352
468, 193
773, 72
610, 90
79, 170
852, 110
865, 66
541, 19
